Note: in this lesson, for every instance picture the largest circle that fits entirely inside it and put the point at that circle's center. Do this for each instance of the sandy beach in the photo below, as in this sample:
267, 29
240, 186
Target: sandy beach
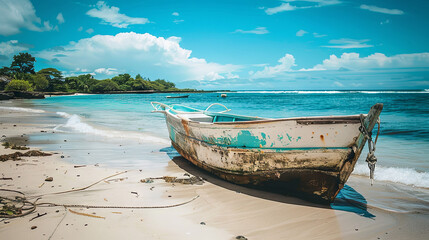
136, 207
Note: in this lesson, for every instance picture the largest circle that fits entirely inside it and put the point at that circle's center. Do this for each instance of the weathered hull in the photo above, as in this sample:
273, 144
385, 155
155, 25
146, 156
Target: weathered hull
314, 168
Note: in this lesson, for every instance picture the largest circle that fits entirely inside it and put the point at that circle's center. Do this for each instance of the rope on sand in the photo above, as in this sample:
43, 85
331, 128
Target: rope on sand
23, 201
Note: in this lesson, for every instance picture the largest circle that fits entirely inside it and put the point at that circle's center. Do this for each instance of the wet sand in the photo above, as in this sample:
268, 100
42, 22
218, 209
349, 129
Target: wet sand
214, 209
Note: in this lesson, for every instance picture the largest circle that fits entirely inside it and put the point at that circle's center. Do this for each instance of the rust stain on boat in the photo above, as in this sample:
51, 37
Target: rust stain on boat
185, 126
322, 138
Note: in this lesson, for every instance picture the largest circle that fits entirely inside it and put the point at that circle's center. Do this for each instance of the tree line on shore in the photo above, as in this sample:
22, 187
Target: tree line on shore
21, 76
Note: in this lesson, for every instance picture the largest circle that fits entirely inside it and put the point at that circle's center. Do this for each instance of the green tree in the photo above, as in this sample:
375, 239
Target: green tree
55, 79
166, 84
23, 63
81, 83
105, 86
39, 82
18, 85
122, 78
5, 71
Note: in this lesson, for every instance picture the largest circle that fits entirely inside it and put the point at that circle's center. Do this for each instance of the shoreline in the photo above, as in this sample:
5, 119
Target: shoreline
38, 95
222, 210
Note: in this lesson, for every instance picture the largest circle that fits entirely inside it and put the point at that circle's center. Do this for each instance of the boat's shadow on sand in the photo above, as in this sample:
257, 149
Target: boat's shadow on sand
347, 200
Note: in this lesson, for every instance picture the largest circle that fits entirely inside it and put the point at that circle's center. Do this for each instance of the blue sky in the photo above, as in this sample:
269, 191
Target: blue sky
242, 44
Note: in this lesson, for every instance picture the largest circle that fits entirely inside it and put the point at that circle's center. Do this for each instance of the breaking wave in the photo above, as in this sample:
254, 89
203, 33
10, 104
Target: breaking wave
19, 109
77, 124
406, 176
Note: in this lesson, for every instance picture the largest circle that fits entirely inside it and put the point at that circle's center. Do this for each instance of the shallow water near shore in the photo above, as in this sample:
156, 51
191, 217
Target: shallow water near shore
120, 131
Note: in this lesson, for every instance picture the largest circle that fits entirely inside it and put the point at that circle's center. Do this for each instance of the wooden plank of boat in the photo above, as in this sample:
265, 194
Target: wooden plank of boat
181, 96
311, 157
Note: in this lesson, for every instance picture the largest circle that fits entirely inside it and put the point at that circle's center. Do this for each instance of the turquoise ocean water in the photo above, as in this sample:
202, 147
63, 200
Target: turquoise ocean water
120, 131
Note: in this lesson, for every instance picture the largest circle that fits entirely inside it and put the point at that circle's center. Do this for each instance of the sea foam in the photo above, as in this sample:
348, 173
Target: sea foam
406, 176
19, 109
77, 124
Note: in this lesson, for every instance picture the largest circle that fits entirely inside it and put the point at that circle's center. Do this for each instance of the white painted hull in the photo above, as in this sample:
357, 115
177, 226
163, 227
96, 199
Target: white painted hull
311, 156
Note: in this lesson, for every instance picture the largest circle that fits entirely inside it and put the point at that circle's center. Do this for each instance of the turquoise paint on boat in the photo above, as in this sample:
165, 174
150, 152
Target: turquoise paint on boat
247, 139
243, 139
289, 137
298, 138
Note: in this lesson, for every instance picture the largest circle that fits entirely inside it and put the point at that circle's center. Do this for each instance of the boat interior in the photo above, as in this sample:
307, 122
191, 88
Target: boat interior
196, 115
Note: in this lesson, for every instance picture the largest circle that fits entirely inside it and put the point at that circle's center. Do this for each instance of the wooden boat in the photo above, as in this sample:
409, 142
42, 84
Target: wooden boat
223, 95
180, 96
311, 157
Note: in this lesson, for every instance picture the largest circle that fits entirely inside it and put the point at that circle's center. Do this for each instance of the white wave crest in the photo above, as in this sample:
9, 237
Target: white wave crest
19, 109
76, 124
406, 176
64, 114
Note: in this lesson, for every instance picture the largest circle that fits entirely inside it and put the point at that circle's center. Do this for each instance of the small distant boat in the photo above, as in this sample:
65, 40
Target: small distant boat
181, 96
311, 157
223, 95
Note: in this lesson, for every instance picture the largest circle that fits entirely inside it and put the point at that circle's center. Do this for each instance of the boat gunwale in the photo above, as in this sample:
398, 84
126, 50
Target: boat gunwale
300, 120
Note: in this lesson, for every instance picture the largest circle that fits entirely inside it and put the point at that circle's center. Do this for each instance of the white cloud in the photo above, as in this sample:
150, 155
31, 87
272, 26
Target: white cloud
17, 14
47, 26
286, 64
89, 30
286, 6
10, 48
385, 22
178, 21
152, 56
231, 76
346, 43
111, 16
106, 71
60, 18
175, 14
381, 10
317, 35
338, 84
301, 33
353, 61
258, 30
282, 8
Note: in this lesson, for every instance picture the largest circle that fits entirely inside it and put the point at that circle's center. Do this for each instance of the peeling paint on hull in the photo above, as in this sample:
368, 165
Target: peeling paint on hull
302, 161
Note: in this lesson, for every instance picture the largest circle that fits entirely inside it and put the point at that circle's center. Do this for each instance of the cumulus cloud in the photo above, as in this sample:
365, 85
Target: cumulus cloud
152, 56
353, 61
18, 14
301, 33
89, 30
10, 48
60, 18
286, 64
106, 71
175, 14
346, 43
258, 30
286, 6
381, 10
111, 16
